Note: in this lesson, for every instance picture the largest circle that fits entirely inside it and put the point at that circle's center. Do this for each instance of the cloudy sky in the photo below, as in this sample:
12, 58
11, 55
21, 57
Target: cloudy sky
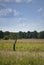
21, 15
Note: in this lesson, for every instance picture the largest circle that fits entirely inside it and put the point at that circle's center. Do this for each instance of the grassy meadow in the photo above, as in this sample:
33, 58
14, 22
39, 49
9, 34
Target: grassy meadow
28, 52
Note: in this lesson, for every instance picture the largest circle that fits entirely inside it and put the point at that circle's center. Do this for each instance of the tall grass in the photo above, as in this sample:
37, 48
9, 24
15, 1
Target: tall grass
23, 46
27, 53
21, 58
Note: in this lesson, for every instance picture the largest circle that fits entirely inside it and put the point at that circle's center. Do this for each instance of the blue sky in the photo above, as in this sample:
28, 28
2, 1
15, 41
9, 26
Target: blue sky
21, 15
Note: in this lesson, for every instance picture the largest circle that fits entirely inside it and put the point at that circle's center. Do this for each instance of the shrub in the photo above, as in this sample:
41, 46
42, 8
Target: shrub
6, 37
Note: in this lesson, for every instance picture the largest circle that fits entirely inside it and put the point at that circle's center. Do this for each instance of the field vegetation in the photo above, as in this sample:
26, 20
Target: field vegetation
28, 52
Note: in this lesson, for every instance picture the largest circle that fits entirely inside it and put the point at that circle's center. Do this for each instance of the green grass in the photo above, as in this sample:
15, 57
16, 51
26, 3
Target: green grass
27, 53
6, 46
23, 46
30, 46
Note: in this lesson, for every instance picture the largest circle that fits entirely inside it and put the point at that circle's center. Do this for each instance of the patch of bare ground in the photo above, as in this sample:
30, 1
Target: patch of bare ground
31, 40
22, 40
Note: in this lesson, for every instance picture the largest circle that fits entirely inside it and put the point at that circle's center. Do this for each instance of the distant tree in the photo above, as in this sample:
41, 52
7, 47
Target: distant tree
1, 34
35, 34
31, 35
41, 34
6, 35
20, 35
28, 34
11, 35
24, 35
14, 35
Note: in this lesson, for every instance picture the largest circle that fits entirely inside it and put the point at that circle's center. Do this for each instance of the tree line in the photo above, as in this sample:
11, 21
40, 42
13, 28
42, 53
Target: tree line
21, 35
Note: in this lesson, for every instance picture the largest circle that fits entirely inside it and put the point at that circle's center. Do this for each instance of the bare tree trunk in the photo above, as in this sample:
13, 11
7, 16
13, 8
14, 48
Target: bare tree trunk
14, 46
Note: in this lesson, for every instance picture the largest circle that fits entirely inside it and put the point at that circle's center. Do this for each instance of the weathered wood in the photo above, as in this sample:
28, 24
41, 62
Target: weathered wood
14, 46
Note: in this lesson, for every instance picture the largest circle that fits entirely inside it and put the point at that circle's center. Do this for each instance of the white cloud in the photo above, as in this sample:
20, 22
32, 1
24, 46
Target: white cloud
9, 12
28, 1
23, 1
41, 11
6, 11
16, 13
16, 1
21, 24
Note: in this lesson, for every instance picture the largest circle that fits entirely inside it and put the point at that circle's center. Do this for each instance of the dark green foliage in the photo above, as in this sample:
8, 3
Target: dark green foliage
1, 34
28, 34
21, 35
35, 34
41, 34
6, 35
6, 38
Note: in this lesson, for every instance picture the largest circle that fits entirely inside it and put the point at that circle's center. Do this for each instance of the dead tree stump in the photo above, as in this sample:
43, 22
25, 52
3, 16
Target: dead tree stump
14, 45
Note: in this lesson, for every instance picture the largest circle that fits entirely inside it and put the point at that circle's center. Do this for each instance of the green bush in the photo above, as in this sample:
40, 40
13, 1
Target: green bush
6, 37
